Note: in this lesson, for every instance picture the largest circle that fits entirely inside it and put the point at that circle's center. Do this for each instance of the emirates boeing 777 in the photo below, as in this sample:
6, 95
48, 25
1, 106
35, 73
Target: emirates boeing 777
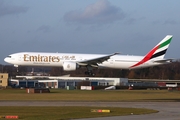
72, 61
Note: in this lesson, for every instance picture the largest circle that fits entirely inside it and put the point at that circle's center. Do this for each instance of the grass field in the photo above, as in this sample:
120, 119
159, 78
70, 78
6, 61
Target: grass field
96, 95
69, 112
66, 113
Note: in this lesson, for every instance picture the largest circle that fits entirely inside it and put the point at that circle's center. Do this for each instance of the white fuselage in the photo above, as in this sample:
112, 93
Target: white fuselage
57, 60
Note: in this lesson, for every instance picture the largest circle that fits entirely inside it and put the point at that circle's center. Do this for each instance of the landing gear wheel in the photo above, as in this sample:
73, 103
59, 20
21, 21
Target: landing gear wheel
89, 71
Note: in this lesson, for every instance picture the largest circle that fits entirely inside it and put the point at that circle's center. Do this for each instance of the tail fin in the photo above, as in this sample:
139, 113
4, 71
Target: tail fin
157, 52
160, 49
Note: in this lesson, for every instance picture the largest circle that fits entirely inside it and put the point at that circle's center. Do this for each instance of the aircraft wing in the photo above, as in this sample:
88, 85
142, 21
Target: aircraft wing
94, 62
164, 60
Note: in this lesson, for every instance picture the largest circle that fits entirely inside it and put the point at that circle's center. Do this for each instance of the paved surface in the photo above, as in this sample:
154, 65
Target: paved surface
168, 110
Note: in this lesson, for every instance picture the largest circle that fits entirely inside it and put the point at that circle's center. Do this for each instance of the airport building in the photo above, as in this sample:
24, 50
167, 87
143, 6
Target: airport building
76, 82
63, 82
3, 80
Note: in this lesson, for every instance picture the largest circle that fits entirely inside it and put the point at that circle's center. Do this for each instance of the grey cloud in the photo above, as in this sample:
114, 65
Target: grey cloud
10, 9
100, 12
131, 21
166, 22
170, 22
44, 28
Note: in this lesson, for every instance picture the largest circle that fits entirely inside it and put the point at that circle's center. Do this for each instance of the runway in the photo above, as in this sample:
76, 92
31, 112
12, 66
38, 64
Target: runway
167, 110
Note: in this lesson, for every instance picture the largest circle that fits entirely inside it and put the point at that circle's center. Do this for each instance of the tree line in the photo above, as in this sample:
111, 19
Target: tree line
168, 71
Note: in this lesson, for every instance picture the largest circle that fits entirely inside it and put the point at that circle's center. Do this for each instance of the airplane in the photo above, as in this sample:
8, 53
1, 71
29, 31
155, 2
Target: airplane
72, 61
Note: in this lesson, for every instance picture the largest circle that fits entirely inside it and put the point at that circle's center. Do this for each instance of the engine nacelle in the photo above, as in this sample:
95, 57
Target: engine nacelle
70, 66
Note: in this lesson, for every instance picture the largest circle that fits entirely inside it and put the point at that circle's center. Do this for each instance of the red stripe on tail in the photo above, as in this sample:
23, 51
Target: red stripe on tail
147, 57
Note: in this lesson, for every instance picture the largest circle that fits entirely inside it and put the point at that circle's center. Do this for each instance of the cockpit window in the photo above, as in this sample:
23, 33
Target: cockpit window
8, 56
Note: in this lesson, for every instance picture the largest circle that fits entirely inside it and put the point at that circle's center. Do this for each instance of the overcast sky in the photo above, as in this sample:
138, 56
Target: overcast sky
130, 27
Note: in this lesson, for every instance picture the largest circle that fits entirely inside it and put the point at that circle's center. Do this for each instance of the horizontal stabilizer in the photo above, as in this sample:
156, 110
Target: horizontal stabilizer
164, 60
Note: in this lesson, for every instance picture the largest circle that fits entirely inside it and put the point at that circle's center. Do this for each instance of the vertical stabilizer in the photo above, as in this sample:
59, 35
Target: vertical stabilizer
157, 52
161, 48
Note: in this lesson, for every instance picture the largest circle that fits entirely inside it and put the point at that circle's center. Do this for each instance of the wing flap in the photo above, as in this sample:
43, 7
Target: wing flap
94, 62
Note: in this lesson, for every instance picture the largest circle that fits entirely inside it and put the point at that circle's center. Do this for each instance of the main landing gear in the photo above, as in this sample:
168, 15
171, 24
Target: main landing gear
89, 71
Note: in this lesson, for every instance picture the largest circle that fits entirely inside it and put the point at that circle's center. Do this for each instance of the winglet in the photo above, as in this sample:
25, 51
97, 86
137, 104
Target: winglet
157, 52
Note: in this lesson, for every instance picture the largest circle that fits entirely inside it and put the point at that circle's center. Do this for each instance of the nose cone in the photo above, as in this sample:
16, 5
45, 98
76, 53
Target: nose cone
7, 59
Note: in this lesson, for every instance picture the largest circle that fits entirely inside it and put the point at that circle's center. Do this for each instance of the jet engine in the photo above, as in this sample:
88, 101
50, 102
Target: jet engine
70, 66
